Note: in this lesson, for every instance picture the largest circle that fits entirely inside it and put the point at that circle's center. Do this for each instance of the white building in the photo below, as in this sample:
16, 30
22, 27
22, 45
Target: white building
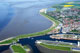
78, 43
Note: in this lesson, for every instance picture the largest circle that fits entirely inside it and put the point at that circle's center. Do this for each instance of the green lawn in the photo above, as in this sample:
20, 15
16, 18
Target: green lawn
61, 44
56, 47
66, 45
8, 41
25, 47
18, 49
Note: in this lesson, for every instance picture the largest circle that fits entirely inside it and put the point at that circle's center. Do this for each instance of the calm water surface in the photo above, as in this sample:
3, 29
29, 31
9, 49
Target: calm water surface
22, 17
26, 18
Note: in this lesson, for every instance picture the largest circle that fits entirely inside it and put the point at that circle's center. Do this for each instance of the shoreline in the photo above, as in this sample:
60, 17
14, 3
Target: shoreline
7, 39
53, 23
36, 33
46, 31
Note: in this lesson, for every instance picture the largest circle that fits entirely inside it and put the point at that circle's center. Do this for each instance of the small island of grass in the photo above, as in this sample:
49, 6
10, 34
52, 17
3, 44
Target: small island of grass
18, 49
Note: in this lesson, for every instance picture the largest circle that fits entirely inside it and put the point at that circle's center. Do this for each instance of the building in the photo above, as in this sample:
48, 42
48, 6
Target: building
78, 43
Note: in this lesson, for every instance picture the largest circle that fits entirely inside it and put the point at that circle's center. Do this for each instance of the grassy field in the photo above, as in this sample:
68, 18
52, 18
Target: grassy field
56, 47
18, 49
8, 41
66, 45
61, 44
26, 47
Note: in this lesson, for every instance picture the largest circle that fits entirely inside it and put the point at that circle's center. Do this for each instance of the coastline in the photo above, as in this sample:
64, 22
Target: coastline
6, 39
50, 20
41, 33
34, 34
37, 34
